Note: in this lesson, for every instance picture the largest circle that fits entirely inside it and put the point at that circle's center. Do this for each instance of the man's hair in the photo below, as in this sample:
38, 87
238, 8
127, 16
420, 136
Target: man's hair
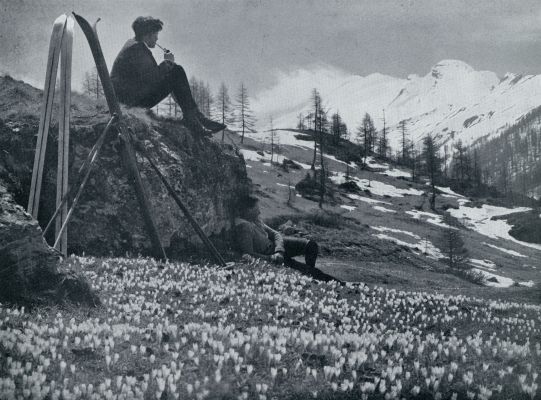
246, 204
145, 25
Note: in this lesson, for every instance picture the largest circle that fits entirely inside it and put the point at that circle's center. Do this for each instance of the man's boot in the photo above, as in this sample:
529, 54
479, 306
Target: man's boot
310, 253
192, 122
209, 124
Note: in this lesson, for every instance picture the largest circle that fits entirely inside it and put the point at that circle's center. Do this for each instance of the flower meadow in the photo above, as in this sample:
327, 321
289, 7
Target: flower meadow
183, 331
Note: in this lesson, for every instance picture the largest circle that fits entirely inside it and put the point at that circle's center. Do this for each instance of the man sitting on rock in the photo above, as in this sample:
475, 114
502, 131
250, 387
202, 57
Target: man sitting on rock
139, 81
252, 237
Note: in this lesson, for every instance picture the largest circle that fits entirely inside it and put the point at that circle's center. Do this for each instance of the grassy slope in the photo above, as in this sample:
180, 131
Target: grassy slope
351, 252
192, 331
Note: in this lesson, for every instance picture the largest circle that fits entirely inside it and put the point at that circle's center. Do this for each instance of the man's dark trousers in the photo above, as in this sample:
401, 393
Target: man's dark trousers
298, 247
174, 82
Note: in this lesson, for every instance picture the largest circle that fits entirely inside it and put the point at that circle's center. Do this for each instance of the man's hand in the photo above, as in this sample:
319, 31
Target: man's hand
247, 258
277, 258
169, 57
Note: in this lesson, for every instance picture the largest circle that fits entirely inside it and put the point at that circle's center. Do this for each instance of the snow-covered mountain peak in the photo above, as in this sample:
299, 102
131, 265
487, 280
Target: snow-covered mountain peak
450, 68
452, 100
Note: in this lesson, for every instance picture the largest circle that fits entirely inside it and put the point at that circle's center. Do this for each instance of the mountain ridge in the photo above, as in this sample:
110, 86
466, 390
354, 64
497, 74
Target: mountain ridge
452, 101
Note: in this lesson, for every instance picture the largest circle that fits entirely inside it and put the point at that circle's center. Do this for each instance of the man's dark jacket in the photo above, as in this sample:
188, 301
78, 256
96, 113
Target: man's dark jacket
135, 72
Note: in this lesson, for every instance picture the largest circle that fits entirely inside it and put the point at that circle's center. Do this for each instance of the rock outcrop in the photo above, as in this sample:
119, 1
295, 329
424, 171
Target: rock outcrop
209, 177
29, 268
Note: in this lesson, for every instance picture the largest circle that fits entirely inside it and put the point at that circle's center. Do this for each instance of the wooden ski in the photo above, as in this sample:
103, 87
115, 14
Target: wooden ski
46, 110
63, 133
128, 154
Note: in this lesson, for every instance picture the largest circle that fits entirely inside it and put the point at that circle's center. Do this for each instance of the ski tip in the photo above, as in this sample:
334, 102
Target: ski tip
61, 19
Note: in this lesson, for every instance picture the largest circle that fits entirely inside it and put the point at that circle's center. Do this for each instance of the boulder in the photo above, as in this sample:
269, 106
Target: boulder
29, 271
208, 176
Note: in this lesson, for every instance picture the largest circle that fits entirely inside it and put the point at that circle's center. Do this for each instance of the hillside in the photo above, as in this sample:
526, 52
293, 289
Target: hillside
512, 160
384, 232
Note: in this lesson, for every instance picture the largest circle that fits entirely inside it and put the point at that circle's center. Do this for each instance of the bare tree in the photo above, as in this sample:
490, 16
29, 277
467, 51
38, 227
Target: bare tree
366, 132
92, 84
383, 144
272, 136
322, 131
432, 163
338, 128
403, 130
453, 247
300, 124
244, 116
316, 104
224, 107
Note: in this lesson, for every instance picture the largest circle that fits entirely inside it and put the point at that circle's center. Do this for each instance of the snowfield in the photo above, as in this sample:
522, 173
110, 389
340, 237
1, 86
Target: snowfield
376, 187
429, 217
479, 219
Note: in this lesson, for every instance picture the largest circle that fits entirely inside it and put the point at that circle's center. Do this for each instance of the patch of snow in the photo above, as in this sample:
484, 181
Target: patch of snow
423, 246
349, 208
383, 209
385, 229
511, 252
396, 173
393, 239
483, 264
376, 187
366, 199
448, 191
431, 218
252, 155
331, 157
479, 219
372, 163
287, 186
503, 282
282, 136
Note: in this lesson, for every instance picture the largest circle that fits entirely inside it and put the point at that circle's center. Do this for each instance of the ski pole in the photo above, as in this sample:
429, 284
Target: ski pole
86, 166
187, 214
91, 159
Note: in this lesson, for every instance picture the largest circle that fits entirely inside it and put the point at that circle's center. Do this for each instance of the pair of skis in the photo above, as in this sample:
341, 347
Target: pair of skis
60, 49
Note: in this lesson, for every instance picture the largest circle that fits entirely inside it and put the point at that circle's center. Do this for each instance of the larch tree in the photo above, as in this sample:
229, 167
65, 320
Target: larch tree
92, 84
224, 107
244, 117
452, 245
323, 125
403, 130
383, 144
366, 131
300, 122
432, 164
316, 115
338, 128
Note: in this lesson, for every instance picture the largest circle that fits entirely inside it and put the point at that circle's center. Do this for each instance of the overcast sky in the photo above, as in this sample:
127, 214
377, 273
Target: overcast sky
249, 40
